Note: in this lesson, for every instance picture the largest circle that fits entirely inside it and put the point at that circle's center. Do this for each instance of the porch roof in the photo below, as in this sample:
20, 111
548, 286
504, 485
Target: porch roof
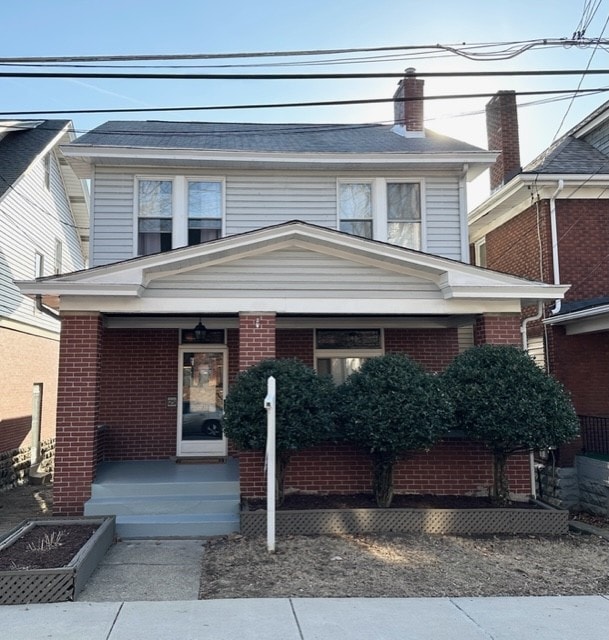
290, 268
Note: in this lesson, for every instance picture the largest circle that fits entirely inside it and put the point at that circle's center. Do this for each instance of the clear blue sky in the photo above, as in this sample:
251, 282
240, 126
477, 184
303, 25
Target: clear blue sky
96, 27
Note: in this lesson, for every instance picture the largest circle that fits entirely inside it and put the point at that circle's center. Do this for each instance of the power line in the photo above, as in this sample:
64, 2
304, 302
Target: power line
516, 47
295, 76
283, 105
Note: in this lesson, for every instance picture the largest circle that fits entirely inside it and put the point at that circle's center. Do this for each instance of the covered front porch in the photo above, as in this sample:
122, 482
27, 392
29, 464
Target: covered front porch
137, 384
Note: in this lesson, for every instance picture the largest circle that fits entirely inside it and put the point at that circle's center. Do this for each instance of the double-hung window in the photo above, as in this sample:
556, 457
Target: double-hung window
177, 212
381, 209
355, 208
204, 211
404, 214
155, 211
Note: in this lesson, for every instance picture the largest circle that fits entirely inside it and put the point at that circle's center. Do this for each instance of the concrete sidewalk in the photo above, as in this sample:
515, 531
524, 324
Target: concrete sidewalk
547, 618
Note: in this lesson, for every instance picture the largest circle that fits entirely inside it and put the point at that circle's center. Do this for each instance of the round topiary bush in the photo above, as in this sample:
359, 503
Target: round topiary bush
504, 399
303, 417
389, 407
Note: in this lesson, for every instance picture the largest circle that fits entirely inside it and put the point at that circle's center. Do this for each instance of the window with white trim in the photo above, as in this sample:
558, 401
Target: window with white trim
176, 212
204, 211
379, 209
340, 352
155, 212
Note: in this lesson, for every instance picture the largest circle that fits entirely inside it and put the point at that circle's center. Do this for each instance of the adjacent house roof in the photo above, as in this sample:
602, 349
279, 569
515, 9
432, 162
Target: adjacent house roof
22, 142
271, 146
575, 165
292, 268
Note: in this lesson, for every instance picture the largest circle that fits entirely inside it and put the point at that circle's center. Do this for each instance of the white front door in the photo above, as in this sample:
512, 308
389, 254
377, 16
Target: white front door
203, 382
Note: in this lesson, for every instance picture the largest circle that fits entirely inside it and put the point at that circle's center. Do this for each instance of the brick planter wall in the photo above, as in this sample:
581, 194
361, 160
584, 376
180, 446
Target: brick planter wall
452, 467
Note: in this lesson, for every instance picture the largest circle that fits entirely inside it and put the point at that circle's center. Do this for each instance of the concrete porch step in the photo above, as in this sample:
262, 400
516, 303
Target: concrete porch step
143, 505
176, 525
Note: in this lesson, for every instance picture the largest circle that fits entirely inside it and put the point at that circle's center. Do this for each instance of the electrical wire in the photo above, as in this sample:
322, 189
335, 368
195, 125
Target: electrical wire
285, 105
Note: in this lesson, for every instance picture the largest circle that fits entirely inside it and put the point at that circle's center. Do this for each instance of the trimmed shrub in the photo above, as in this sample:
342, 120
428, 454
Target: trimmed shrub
302, 412
504, 399
390, 407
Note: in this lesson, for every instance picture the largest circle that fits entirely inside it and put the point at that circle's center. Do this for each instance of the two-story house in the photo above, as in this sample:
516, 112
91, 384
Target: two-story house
43, 231
214, 246
549, 221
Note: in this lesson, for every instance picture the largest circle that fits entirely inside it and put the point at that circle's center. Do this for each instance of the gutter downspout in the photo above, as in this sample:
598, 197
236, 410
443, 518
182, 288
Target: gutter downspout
554, 233
46, 310
525, 345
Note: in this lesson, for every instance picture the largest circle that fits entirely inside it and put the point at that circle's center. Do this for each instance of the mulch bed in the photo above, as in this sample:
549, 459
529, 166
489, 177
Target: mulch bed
70, 539
299, 501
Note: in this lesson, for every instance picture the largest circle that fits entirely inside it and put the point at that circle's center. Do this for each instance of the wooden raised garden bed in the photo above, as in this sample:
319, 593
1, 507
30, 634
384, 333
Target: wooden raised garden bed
24, 585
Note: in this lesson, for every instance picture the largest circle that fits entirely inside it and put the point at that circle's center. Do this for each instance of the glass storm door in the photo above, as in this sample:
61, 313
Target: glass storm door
202, 384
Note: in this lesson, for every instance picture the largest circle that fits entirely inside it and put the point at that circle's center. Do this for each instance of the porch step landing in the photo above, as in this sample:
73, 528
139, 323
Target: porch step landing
159, 498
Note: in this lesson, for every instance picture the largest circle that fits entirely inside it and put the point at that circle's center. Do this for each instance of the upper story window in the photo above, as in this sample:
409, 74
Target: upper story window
379, 209
38, 265
155, 208
355, 208
204, 211
404, 214
177, 212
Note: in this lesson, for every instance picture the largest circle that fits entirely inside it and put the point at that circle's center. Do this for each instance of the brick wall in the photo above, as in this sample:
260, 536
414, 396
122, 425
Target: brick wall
256, 338
497, 329
26, 359
77, 412
296, 343
139, 373
434, 349
450, 468
583, 247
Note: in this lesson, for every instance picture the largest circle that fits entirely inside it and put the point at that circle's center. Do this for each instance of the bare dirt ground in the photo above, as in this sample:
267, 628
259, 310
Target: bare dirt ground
389, 565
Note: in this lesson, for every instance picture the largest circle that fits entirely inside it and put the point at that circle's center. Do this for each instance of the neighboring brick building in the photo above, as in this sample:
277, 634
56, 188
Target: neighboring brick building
43, 229
327, 243
549, 221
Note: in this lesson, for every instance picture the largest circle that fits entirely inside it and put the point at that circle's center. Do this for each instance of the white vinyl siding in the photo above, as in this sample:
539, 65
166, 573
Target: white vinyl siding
32, 220
293, 274
112, 229
537, 351
259, 201
442, 225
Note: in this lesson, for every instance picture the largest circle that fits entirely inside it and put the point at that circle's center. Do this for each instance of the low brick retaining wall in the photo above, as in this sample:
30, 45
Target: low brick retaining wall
446, 521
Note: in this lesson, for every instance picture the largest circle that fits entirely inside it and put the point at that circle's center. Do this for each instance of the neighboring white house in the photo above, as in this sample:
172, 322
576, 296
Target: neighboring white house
43, 231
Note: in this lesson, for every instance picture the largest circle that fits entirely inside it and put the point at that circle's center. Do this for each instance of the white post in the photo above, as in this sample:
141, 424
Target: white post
269, 405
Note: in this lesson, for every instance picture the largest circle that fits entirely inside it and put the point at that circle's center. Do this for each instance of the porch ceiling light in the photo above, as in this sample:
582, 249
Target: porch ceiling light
200, 331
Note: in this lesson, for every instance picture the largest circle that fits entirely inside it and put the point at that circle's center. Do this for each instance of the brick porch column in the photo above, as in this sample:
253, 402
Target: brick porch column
501, 328
256, 338
77, 411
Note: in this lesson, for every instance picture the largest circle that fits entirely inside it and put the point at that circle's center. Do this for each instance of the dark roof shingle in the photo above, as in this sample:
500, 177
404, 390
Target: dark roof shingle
19, 148
279, 138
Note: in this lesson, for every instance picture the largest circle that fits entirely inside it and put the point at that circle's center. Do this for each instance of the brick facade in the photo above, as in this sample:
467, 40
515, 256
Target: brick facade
452, 467
137, 371
26, 359
77, 412
256, 338
139, 374
497, 329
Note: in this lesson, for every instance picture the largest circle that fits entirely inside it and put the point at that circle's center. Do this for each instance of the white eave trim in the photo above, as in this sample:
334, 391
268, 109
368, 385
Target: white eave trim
90, 153
584, 314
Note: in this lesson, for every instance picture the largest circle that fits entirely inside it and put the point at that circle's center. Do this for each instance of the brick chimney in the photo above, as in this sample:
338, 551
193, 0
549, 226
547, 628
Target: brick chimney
408, 105
502, 134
